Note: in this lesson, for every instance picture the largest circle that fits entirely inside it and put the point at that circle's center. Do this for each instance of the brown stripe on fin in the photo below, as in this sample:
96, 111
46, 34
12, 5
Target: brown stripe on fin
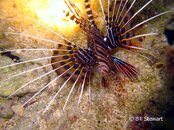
89, 12
121, 19
66, 56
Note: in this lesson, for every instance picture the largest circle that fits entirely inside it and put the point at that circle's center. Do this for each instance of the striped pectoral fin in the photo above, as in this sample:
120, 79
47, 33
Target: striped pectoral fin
125, 68
130, 41
115, 33
64, 58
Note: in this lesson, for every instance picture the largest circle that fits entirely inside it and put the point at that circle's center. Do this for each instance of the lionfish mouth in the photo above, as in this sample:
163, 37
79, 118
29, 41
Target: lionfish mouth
77, 64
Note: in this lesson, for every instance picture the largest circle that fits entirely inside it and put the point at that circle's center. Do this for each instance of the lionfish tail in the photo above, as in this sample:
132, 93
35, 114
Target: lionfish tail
125, 68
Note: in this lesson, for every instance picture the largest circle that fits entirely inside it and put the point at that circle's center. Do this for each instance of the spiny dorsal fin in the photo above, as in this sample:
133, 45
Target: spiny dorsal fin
89, 12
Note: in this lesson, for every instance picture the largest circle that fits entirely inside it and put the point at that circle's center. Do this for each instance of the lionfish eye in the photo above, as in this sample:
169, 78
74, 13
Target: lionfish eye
105, 39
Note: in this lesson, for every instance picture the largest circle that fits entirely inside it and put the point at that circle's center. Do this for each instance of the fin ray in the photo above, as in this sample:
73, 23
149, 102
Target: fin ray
125, 68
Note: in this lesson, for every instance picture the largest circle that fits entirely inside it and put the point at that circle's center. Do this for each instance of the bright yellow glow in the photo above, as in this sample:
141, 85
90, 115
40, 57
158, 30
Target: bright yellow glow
51, 12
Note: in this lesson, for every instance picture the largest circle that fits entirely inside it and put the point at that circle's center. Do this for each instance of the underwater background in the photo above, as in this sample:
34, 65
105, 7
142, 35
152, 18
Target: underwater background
120, 106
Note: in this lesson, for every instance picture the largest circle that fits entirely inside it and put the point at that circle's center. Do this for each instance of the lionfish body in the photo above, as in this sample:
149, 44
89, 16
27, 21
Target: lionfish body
78, 64
98, 54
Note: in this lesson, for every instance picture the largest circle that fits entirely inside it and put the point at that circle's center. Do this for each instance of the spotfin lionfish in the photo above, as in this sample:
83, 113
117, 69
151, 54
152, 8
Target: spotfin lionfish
78, 64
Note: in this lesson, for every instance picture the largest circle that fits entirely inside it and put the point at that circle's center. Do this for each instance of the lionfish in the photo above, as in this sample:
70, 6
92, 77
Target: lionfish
78, 64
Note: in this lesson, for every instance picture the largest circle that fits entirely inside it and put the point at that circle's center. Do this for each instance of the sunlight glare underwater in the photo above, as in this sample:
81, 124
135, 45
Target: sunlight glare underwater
52, 13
